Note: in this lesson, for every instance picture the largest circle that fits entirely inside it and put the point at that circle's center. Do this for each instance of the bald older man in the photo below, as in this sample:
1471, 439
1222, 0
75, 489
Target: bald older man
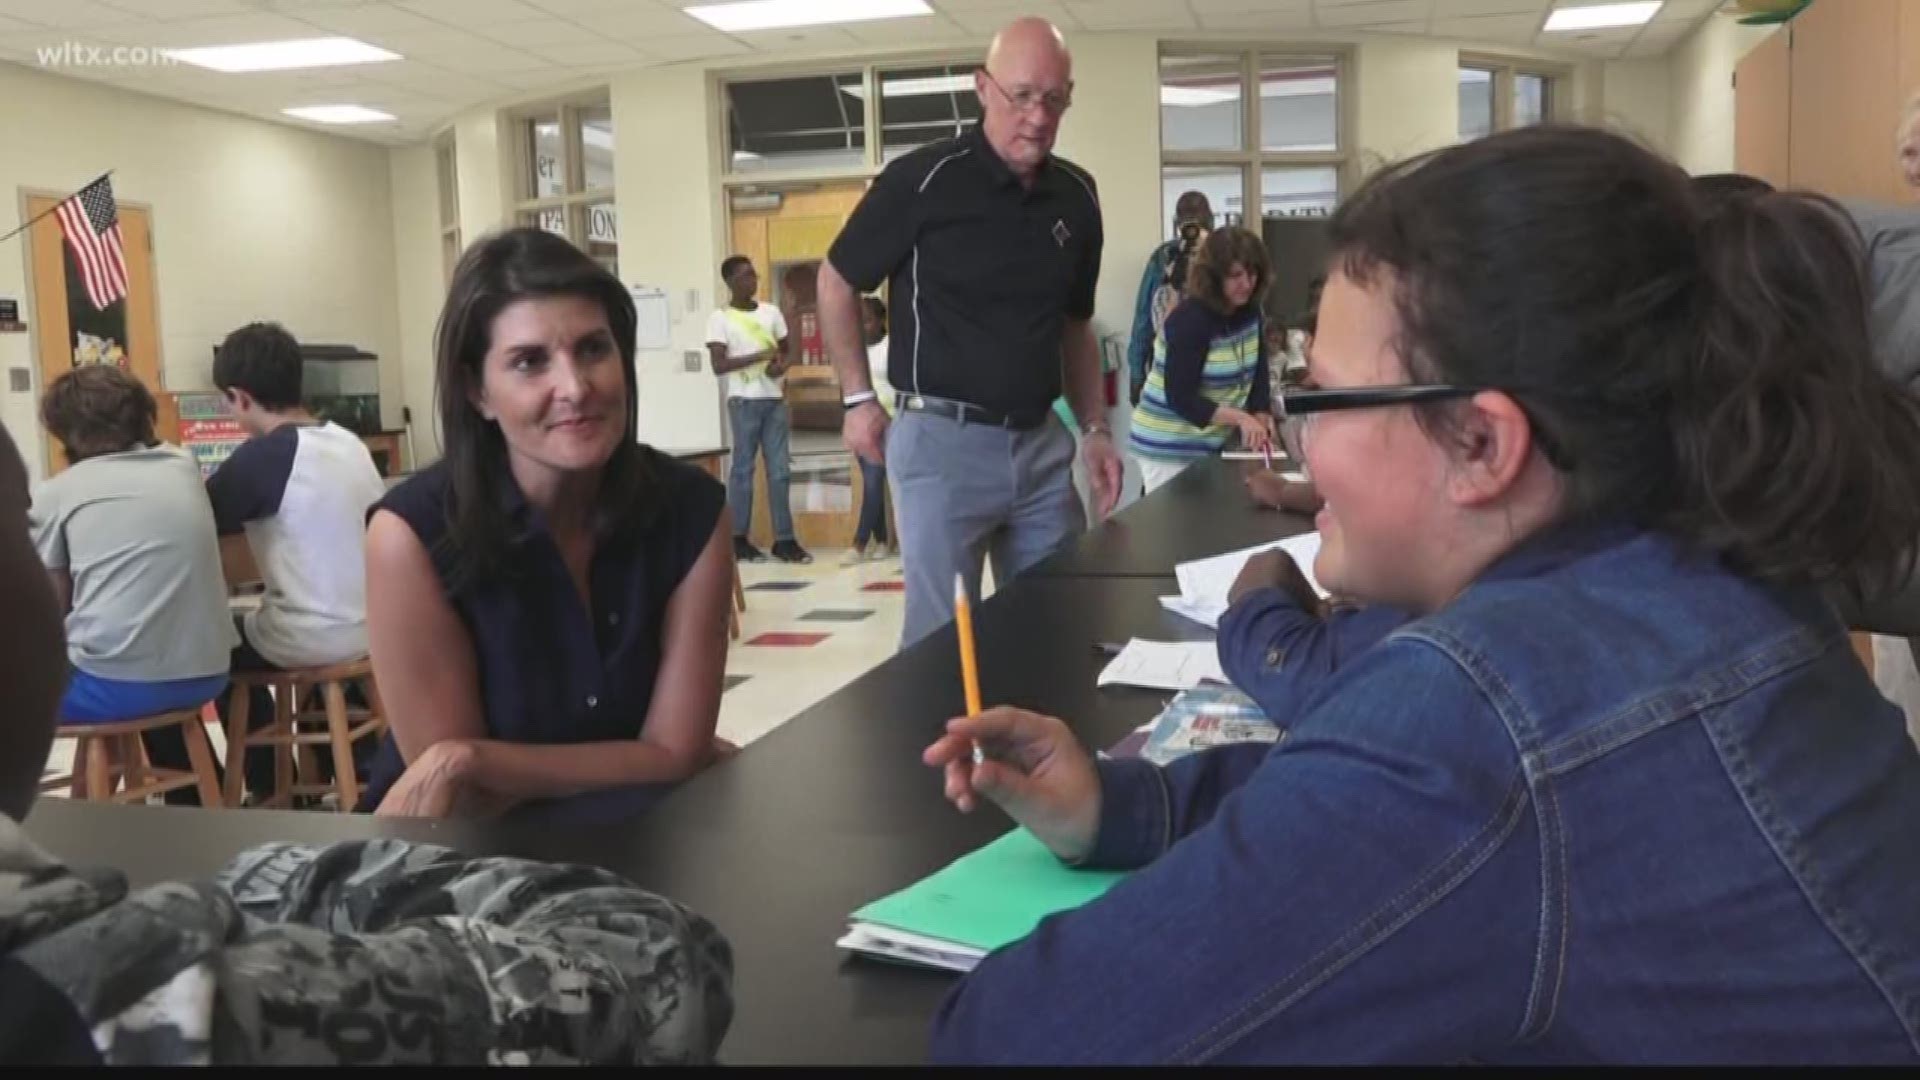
991, 244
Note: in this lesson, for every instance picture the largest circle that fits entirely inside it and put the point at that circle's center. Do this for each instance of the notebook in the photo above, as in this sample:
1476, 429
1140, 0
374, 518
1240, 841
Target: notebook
954, 917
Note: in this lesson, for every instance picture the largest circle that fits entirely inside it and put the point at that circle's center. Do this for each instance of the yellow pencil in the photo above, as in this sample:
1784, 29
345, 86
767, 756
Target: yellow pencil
969, 663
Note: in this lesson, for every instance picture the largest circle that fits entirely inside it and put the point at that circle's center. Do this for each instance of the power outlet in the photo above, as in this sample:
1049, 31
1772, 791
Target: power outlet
691, 360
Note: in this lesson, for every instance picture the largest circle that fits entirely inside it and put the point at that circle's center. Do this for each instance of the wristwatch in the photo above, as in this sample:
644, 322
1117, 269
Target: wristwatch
1096, 427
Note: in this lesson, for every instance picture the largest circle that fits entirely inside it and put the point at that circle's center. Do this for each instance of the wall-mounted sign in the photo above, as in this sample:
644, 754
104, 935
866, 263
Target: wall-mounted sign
10, 316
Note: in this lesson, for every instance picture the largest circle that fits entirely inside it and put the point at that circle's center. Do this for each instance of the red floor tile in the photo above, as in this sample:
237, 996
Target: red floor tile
885, 586
783, 640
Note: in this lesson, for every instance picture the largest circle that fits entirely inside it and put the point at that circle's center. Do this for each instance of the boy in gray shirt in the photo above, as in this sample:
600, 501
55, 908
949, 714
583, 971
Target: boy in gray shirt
128, 538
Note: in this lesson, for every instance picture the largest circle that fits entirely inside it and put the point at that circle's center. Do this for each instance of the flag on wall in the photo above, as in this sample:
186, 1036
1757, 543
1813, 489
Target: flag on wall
92, 226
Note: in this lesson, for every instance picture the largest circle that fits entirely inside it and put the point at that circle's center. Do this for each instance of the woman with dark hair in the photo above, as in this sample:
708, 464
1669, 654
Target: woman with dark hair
1209, 379
128, 537
547, 605
1617, 790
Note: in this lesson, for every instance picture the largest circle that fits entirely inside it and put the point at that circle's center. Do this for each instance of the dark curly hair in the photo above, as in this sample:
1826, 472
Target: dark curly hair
98, 409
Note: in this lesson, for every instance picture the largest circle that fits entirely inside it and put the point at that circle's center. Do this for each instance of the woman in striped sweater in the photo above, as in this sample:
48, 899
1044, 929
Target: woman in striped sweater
1209, 377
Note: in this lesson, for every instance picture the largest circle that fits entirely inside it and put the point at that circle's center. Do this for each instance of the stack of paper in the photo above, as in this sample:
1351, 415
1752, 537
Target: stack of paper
1164, 665
1205, 583
956, 916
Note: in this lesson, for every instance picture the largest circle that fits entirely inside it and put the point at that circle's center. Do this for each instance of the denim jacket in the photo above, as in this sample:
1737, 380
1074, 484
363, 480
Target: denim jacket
1615, 803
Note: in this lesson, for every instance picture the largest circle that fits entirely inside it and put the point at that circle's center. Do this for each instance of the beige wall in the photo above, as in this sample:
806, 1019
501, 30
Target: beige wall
1408, 98
416, 249
251, 220
1634, 99
1700, 97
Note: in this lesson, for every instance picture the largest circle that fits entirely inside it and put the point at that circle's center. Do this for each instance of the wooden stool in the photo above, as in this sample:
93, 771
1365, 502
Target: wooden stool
110, 763
339, 728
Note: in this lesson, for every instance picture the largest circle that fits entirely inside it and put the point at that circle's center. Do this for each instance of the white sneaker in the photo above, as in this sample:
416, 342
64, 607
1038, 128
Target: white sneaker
854, 557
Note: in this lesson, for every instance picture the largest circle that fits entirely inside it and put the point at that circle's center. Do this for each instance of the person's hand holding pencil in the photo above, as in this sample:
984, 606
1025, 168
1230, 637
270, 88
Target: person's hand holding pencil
1031, 766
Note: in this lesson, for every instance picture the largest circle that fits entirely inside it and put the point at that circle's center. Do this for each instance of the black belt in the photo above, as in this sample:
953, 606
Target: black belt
963, 413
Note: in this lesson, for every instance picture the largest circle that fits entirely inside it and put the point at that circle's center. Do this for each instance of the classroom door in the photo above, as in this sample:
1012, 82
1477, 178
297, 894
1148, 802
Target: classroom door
69, 330
786, 243
1762, 104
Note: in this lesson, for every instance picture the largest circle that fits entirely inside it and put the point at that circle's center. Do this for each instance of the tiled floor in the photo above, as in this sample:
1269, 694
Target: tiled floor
861, 629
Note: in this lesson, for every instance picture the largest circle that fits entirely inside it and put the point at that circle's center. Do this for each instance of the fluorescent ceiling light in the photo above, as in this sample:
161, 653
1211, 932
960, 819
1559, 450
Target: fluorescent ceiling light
284, 55
784, 14
932, 84
339, 114
1601, 16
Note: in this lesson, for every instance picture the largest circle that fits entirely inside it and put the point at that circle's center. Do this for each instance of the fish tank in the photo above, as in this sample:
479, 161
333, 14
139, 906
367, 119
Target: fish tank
341, 383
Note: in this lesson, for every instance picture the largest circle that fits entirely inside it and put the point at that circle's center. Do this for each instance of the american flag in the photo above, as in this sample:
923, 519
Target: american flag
92, 226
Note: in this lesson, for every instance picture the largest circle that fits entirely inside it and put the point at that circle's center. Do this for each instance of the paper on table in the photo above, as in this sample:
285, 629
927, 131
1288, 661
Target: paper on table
978, 903
1208, 581
1164, 665
1205, 612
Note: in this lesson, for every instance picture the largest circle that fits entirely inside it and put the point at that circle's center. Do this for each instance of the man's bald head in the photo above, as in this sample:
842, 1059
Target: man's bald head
1025, 87
33, 661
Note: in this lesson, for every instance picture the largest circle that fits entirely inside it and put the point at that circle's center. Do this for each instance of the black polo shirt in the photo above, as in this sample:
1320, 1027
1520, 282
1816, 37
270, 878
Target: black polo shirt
984, 271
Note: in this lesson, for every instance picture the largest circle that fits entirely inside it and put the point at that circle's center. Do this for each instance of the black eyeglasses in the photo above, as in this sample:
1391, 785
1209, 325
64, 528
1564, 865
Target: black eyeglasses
1025, 98
1296, 409
1304, 402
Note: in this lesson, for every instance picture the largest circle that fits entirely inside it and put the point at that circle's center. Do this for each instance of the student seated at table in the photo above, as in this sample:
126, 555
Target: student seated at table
126, 534
1209, 380
299, 490
547, 604
1620, 791
367, 952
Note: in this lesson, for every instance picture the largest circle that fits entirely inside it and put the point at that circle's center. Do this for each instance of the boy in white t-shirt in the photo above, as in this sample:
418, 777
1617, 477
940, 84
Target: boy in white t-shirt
299, 488
747, 342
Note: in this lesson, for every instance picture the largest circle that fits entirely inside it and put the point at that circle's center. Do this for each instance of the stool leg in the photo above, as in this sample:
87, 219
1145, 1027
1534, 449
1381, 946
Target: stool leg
337, 726
200, 753
375, 704
98, 768
130, 753
284, 706
239, 703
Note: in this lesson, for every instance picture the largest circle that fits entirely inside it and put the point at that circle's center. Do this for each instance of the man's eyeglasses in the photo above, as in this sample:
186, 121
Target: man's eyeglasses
1053, 101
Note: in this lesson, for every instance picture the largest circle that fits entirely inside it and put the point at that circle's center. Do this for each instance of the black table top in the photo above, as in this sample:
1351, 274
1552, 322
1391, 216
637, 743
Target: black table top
1202, 512
780, 844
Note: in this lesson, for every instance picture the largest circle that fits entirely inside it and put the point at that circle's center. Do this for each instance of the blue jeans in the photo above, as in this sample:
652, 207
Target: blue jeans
760, 425
873, 504
91, 699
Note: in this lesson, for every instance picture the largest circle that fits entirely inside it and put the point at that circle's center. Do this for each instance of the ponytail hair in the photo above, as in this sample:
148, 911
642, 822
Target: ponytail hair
1694, 365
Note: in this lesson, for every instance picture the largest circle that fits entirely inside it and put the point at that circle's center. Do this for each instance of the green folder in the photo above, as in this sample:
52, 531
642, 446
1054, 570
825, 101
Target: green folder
993, 897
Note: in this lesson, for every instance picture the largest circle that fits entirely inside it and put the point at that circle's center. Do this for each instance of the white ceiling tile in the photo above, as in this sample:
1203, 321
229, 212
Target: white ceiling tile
368, 20
594, 54
1504, 29
574, 9
1418, 26
428, 45
181, 9
17, 26
911, 31
636, 20
1131, 14
691, 47
1265, 21
539, 33
1204, 8
295, 7
1457, 9
480, 61
1373, 13
533, 79
217, 30
473, 12
988, 20
65, 14
814, 39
